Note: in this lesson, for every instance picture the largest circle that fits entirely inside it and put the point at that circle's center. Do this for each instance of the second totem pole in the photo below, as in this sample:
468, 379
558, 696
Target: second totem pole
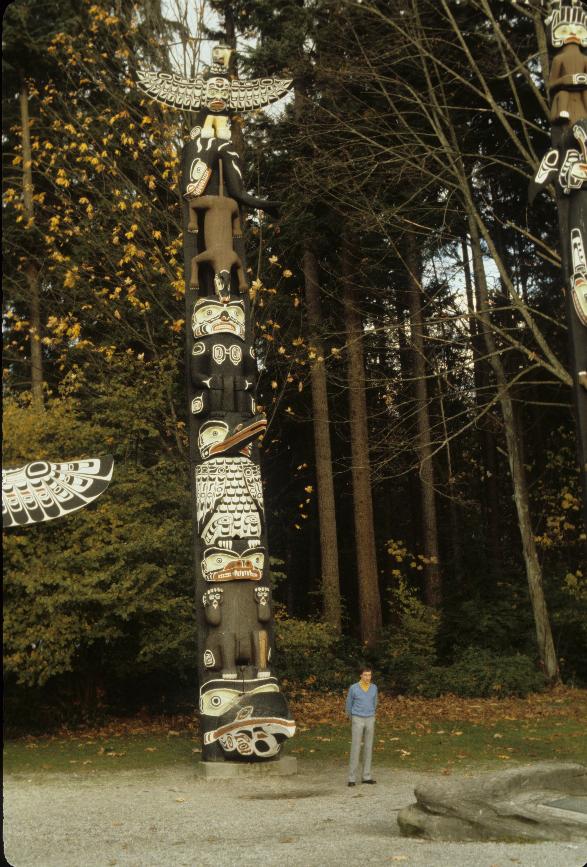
244, 714
565, 165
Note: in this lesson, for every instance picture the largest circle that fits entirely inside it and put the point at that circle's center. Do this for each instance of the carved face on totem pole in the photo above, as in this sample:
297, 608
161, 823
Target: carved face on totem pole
567, 25
567, 28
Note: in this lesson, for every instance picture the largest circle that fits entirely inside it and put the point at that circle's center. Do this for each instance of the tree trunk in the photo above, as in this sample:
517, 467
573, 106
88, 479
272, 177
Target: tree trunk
31, 268
455, 524
414, 524
236, 122
518, 473
490, 495
432, 577
323, 454
369, 598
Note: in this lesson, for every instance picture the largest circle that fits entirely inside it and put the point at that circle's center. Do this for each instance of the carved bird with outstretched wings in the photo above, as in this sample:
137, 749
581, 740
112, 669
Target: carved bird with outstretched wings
216, 93
41, 491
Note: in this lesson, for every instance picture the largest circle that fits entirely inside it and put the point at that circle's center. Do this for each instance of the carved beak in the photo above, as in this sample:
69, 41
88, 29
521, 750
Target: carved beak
245, 434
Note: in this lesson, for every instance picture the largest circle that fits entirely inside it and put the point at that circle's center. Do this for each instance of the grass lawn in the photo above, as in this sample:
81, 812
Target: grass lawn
441, 734
453, 743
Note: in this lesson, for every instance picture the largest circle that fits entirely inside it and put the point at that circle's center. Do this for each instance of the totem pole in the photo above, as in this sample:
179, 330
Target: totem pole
565, 164
244, 715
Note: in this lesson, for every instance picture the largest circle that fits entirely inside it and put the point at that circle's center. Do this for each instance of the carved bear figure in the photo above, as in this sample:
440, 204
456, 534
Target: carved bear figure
235, 636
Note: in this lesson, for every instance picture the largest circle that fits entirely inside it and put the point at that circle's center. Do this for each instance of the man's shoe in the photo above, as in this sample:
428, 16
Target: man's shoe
350, 784
369, 782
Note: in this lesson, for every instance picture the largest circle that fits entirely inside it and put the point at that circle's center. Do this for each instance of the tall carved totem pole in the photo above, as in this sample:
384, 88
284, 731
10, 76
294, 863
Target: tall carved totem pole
244, 715
565, 164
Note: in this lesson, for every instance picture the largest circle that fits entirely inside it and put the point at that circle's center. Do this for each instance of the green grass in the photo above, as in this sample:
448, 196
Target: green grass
85, 756
434, 746
452, 744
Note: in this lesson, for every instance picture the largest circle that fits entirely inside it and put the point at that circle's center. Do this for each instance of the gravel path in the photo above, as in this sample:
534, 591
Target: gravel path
169, 818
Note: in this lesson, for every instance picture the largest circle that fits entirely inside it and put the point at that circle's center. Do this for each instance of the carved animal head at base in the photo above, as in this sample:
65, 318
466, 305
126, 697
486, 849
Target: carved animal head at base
254, 727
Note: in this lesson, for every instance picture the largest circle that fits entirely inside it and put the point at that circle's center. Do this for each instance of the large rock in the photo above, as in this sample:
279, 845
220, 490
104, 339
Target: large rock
545, 801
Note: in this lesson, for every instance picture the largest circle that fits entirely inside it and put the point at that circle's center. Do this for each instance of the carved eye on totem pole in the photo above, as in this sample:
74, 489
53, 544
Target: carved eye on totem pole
216, 698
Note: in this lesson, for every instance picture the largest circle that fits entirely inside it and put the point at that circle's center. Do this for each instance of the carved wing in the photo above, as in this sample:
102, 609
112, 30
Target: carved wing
210, 485
42, 491
257, 93
252, 476
171, 89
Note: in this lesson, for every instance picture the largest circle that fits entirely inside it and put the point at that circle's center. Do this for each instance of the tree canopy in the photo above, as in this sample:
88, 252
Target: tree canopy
402, 159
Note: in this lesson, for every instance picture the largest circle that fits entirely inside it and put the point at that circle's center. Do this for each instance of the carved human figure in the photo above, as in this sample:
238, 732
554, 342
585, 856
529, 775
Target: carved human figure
567, 83
221, 228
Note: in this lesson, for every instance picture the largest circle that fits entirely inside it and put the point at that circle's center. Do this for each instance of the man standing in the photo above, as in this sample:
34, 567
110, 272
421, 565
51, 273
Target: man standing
361, 704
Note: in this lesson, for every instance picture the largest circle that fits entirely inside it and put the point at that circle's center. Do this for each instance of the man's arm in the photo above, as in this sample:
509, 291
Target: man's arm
375, 699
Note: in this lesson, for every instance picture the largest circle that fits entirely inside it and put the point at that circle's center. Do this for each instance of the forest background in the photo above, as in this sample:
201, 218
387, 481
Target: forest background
421, 480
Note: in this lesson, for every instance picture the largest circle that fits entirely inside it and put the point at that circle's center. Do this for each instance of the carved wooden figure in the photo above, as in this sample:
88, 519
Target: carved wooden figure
221, 228
243, 712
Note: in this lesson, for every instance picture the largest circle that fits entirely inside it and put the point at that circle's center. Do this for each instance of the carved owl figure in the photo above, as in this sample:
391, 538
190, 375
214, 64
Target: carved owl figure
229, 498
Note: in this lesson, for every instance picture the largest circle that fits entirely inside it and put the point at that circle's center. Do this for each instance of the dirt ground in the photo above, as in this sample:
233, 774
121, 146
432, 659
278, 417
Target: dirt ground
170, 818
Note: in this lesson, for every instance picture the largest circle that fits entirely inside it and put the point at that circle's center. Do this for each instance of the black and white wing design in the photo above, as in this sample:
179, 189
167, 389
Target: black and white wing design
172, 89
210, 485
246, 95
252, 478
42, 491
216, 93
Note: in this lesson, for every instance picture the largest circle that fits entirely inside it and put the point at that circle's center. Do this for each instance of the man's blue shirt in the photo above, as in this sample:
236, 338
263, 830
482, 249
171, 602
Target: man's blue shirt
361, 703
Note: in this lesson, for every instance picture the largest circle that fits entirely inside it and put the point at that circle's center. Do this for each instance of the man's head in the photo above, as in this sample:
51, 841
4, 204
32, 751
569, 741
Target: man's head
365, 674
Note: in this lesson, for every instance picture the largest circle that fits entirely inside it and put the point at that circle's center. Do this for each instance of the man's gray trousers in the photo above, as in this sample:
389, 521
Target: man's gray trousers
363, 727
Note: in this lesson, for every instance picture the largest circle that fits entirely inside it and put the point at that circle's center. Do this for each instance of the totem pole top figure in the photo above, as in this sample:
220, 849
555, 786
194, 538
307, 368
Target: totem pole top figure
215, 93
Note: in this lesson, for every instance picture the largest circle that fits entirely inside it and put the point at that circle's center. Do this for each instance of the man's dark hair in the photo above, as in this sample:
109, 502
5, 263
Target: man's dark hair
365, 667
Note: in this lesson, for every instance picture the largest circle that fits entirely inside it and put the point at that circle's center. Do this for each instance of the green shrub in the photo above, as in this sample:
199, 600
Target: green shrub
312, 654
409, 646
479, 673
